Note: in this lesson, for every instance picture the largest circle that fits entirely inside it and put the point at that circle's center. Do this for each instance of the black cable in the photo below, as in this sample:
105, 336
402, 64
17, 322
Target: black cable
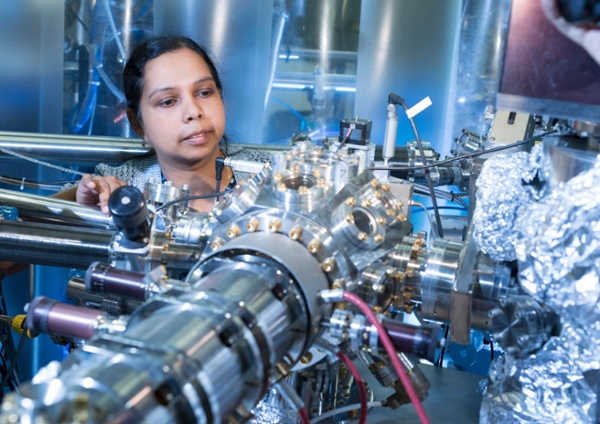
441, 358
399, 100
492, 349
13, 364
182, 199
467, 156
219, 166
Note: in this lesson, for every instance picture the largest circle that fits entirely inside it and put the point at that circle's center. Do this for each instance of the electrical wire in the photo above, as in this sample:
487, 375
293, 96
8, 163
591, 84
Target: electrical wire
424, 209
343, 409
466, 156
183, 199
440, 360
452, 208
303, 416
13, 364
360, 385
438, 220
391, 351
452, 197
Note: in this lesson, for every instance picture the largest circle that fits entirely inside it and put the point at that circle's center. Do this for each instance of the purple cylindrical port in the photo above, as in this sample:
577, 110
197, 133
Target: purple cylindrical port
51, 317
103, 279
421, 341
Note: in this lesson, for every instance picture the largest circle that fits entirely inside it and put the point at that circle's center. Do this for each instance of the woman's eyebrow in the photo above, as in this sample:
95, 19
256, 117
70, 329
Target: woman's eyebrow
163, 89
201, 80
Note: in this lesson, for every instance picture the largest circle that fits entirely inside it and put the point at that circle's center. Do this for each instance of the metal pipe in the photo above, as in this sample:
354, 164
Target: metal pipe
71, 148
104, 279
53, 245
54, 211
48, 316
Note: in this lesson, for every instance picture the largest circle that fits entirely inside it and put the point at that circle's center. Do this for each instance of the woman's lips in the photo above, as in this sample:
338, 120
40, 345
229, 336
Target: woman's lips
198, 138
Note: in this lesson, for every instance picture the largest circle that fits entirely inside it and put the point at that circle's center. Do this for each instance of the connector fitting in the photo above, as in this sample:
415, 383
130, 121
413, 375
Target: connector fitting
332, 296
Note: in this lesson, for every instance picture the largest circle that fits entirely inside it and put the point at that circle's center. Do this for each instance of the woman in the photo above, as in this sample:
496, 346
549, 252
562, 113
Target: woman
175, 103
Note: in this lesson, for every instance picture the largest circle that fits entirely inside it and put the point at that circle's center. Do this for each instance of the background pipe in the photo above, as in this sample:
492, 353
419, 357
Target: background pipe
53, 245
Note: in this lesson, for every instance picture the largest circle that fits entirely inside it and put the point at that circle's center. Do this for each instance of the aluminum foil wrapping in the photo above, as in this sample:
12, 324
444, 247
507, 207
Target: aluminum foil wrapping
502, 188
559, 265
265, 413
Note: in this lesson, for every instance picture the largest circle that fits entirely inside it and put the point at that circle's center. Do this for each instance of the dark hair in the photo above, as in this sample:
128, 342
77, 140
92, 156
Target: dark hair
133, 74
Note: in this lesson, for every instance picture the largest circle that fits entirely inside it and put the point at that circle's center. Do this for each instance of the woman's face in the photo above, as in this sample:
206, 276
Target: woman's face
182, 113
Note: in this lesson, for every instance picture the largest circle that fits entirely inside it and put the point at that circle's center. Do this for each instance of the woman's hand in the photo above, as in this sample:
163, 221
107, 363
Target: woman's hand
97, 190
588, 38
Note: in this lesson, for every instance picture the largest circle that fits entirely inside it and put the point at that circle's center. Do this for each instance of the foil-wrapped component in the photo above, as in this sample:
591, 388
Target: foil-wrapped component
264, 413
559, 265
559, 253
502, 188
546, 387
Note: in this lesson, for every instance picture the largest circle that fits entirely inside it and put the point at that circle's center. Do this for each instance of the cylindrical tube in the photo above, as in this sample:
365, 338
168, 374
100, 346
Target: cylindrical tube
71, 148
130, 214
421, 341
54, 211
391, 131
113, 305
54, 245
51, 317
104, 279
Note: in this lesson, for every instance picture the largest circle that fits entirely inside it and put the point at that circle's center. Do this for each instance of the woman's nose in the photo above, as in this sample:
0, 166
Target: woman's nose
193, 110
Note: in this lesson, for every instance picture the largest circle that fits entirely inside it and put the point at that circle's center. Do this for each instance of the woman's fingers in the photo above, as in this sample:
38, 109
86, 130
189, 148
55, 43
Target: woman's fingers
105, 186
97, 190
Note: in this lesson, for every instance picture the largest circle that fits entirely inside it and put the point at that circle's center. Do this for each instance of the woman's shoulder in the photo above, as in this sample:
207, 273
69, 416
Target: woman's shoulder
246, 153
136, 172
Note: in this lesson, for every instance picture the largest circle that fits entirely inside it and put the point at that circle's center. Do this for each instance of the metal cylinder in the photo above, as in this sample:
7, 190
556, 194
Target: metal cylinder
48, 316
53, 245
421, 341
113, 305
130, 214
54, 211
71, 148
104, 279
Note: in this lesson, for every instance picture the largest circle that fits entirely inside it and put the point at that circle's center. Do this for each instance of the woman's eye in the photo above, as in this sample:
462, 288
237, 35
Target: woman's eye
166, 102
204, 93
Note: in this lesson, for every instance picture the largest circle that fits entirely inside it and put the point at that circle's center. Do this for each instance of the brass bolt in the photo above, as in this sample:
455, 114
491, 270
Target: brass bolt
289, 156
216, 243
282, 187
337, 284
277, 177
314, 246
401, 217
379, 238
385, 187
303, 190
349, 218
295, 233
233, 231
328, 265
378, 195
381, 220
320, 182
274, 225
306, 358
351, 201
366, 203
375, 182
252, 225
362, 236
296, 169
316, 172
390, 212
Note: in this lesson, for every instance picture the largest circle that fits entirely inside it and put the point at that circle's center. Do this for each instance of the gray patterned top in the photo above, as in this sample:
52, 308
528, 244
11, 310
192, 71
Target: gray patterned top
137, 172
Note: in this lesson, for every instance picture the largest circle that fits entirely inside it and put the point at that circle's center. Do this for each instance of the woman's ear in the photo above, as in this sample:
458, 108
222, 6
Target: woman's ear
135, 122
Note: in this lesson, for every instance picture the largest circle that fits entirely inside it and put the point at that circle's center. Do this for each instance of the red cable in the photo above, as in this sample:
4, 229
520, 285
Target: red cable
362, 391
303, 416
391, 351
